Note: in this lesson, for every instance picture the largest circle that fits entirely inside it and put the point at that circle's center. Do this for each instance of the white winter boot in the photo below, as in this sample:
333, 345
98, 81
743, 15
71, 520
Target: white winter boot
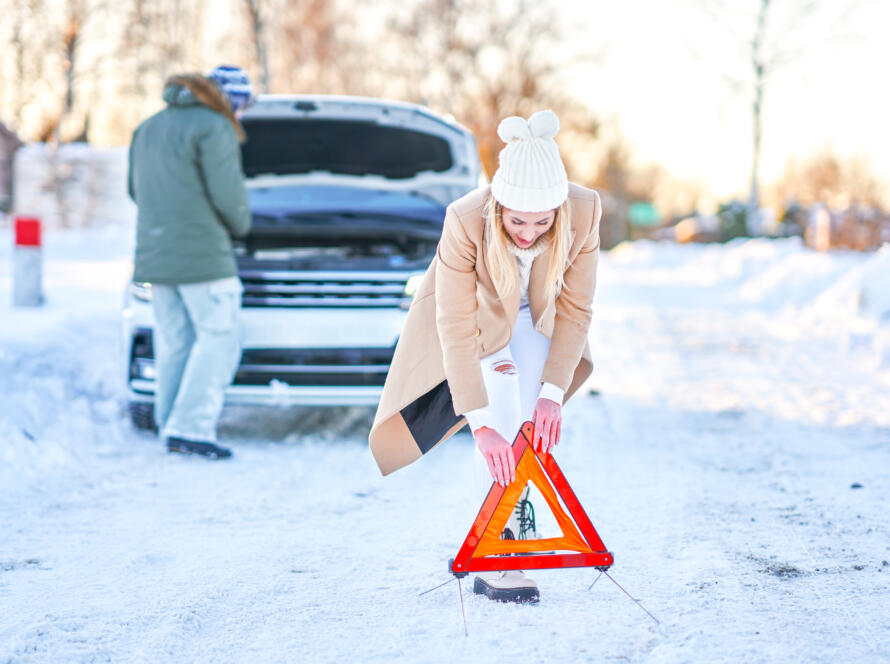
509, 586
512, 585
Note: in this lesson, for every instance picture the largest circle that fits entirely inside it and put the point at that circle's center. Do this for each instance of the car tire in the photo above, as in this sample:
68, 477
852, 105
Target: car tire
142, 416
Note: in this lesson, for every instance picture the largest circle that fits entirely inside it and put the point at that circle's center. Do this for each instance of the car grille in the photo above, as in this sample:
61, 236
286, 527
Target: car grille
324, 289
315, 366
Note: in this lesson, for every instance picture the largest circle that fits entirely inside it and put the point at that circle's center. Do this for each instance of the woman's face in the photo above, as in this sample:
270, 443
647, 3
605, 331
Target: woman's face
526, 227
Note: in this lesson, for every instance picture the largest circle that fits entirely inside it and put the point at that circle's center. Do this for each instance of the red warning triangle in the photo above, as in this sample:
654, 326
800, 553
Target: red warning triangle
483, 550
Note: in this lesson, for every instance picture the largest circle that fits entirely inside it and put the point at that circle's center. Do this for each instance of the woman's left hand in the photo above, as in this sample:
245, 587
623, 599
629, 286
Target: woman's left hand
548, 424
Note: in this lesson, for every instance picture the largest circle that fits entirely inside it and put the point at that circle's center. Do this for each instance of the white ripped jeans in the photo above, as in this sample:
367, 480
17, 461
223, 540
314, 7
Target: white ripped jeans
512, 379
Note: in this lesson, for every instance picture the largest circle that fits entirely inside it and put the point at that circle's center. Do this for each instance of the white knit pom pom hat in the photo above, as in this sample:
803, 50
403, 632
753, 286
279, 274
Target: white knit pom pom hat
531, 176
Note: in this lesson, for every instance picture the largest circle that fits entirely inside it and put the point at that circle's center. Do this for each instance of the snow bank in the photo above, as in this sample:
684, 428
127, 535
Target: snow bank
864, 291
859, 305
60, 370
750, 274
843, 295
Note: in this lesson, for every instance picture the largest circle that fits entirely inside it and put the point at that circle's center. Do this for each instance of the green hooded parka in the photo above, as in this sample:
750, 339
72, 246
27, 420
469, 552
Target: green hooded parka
186, 179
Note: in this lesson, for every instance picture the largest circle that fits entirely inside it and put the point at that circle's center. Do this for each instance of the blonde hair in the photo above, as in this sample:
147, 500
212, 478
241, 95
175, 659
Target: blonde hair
502, 261
209, 94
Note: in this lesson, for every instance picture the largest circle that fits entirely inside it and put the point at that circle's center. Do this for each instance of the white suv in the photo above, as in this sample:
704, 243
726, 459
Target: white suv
348, 196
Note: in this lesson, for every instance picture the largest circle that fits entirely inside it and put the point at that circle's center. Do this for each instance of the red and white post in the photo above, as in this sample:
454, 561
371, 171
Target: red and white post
27, 276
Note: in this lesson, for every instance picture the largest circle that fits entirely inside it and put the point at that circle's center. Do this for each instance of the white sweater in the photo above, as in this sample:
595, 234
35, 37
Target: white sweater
524, 260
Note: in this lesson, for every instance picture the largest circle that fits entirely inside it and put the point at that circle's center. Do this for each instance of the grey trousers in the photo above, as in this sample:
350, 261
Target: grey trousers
197, 350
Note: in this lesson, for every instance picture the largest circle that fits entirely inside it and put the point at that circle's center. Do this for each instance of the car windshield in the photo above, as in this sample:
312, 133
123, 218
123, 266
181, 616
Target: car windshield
284, 146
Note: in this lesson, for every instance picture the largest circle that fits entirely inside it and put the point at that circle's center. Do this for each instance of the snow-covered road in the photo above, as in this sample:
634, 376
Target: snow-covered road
742, 398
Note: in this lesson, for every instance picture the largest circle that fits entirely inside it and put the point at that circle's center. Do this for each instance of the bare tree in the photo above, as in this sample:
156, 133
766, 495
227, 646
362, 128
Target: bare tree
761, 68
482, 60
478, 60
768, 36
59, 51
23, 72
320, 49
615, 176
256, 25
71, 60
70, 41
157, 38
828, 178
310, 46
17, 46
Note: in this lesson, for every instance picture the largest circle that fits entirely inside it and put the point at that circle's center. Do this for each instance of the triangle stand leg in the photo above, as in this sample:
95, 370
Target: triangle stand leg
460, 593
635, 600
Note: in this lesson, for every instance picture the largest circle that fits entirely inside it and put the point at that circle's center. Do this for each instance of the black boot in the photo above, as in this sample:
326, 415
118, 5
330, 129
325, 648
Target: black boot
208, 450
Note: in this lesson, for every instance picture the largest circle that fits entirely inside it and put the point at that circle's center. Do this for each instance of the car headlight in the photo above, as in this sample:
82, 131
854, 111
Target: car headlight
143, 368
141, 290
413, 284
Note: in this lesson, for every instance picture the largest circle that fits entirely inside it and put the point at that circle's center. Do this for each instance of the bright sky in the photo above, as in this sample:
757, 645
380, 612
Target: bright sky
677, 110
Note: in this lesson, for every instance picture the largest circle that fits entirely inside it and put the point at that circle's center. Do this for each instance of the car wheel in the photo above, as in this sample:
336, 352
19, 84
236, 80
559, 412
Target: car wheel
142, 416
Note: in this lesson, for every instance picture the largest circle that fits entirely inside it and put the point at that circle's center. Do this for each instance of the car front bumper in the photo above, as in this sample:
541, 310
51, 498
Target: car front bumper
289, 357
278, 394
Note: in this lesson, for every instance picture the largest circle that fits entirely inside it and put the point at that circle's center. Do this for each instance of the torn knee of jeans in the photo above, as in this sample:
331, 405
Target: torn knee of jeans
505, 367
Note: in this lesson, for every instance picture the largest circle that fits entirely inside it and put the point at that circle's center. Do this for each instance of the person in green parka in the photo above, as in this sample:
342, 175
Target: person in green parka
186, 179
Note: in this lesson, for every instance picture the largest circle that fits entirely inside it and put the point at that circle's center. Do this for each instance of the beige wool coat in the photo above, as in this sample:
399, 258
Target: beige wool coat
458, 318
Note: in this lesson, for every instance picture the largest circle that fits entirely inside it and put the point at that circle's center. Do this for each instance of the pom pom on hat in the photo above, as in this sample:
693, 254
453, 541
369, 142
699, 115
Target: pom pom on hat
514, 128
544, 124
531, 176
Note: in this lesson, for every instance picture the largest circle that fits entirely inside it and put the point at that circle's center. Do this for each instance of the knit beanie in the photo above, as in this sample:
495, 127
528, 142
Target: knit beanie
530, 176
234, 83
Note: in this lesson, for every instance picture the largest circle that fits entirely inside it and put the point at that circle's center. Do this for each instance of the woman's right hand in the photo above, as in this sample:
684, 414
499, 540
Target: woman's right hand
498, 455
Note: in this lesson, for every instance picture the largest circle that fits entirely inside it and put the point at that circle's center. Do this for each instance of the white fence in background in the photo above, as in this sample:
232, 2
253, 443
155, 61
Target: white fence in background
76, 186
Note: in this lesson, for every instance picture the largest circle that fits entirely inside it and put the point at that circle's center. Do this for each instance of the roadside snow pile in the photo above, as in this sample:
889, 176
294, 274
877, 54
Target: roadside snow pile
861, 301
758, 274
864, 291
836, 294
61, 408
794, 277
60, 373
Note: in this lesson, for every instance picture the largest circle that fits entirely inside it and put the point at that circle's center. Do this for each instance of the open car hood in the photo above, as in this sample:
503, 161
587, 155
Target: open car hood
315, 211
369, 143
337, 227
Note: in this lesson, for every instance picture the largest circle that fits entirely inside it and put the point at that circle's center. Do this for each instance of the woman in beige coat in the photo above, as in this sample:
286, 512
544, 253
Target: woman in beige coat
497, 331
